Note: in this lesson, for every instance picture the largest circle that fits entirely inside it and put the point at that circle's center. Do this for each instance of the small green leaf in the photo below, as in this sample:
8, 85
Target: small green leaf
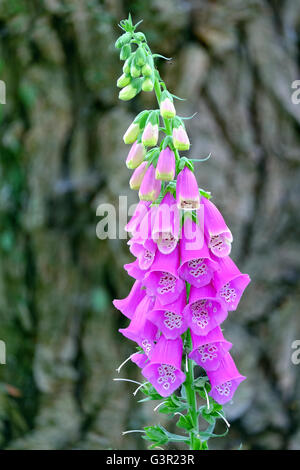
185, 422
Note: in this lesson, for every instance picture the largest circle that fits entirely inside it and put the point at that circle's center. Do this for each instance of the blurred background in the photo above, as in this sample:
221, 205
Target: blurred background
62, 155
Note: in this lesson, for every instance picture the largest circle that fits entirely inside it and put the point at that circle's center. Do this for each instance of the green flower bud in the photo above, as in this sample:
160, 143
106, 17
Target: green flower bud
125, 52
131, 90
140, 36
126, 66
135, 71
147, 84
124, 80
140, 56
122, 40
147, 69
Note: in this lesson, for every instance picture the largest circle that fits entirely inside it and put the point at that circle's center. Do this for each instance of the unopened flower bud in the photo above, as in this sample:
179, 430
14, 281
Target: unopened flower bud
150, 187
134, 129
125, 52
135, 70
140, 56
122, 40
131, 90
147, 69
165, 169
167, 109
137, 176
126, 66
150, 134
148, 84
123, 80
135, 156
131, 134
187, 192
180, 138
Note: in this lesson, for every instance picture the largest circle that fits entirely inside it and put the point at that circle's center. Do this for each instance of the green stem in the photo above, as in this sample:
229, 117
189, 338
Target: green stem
191, 396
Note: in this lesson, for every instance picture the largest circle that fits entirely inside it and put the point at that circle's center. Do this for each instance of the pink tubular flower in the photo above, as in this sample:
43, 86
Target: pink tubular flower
165, 231
197, 267
150, 135
150, 187
144, 251
135, 156
138, 215
165, 169
162, 279
230, 283
225, 380
169, 318
180, 138
208, 350
134, 270
139, 359
140, 329
218, 234
143, 231
187, 192
164, 370
137, 176
204, 311
128, 305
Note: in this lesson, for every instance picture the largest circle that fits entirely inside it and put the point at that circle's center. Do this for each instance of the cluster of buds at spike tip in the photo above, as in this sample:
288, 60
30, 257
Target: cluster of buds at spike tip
138, 68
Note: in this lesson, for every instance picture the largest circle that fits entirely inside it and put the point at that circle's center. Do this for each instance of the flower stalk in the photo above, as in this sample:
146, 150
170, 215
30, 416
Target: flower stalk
185, 282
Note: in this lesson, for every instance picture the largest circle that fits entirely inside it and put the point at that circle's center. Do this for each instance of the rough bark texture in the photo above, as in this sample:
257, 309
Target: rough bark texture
62, 155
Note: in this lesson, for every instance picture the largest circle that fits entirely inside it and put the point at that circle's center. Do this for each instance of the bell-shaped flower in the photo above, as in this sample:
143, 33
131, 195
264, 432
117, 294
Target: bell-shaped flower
162, 279
133, 269
165, 168
135, 156
225, 380
167, 108
204, 311
187, 192
197, 267
150, 187
140, 359
137, 176
143, 230
128, 305
230, 283
208, 350
164, 370
165, 231
144, 252
169, 318
140, 329
218, 235
138, 215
